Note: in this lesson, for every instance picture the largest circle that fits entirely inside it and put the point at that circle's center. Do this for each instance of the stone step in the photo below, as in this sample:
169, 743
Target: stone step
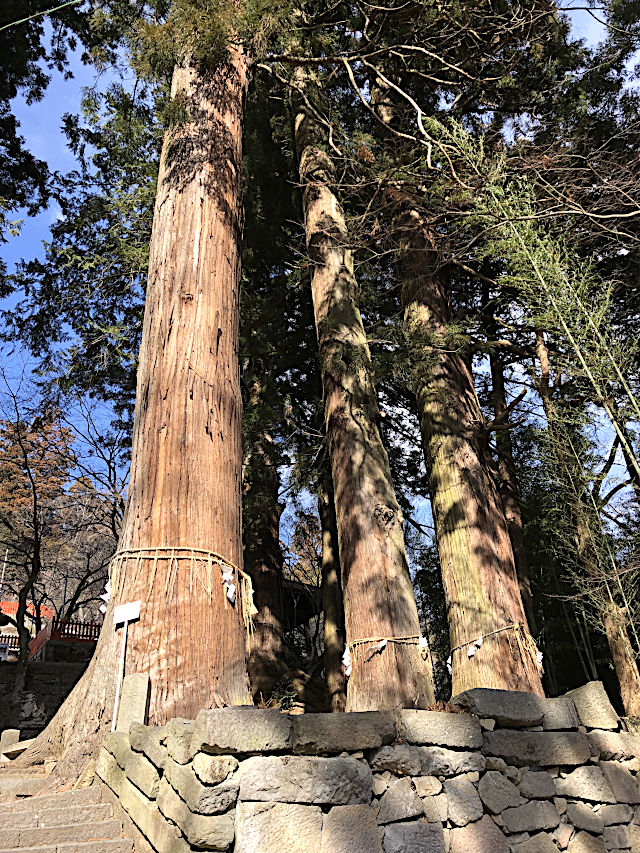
68, 815
19, 786
60, 800
56, 836
122, 845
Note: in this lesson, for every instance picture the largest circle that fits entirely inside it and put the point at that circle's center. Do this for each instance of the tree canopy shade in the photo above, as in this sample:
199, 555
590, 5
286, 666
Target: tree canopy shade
411, 174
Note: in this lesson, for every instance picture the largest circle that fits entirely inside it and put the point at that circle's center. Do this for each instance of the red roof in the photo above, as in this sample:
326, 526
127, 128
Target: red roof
10, 608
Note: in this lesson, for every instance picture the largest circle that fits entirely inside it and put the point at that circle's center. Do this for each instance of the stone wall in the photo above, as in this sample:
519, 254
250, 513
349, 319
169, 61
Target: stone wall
48, 685
510, 772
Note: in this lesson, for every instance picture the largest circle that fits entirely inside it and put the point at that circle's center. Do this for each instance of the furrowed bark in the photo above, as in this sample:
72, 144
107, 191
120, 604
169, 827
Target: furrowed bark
615, 627
509, 491
185, 476
263, 557
379, 601
477, 560
332, 603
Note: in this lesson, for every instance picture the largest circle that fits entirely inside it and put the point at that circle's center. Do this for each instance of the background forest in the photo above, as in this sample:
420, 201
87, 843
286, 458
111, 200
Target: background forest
472, 171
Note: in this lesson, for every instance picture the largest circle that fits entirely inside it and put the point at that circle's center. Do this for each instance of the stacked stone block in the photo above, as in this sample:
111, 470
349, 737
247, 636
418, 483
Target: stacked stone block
508, 773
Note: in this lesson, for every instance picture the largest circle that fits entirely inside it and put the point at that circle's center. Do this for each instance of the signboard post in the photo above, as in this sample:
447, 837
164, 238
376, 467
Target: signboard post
123, 613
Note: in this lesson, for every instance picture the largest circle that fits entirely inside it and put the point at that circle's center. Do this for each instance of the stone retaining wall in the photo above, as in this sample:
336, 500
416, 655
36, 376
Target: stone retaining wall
48, 685
511, 772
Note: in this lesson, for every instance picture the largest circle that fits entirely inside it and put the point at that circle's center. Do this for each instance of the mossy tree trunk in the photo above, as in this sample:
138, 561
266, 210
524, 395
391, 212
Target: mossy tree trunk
476, 556
379, 601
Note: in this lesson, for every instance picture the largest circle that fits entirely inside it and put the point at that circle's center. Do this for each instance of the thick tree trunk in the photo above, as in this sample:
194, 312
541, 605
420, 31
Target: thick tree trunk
477, 560
268, 660
509, 491
185, 477
332, 603
615, 627
379, 601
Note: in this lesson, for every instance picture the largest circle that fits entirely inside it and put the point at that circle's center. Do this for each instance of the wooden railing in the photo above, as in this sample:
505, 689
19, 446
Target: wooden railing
65, 632
87, 632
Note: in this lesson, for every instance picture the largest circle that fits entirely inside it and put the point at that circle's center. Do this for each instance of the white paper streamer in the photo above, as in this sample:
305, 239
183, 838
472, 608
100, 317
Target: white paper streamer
346, 661
227, 580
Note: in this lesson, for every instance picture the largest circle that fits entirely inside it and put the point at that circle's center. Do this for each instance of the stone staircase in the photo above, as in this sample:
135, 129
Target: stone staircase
68, 822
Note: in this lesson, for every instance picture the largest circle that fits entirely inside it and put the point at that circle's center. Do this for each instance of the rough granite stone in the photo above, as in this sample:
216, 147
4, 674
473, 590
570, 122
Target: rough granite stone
561, 804
242, 730
507, 707
213, 832
380, 783
213, 769
586, 783
401, 759
493, 763
436, 808
427, 786
163, 836
559, 713
531, 817
407, 760
543, 749
201, 799
539, 843
149, 740
609, 745
264, 827
317, 734
350, 829
437, 761
134, 701
582, 842
178, 735
497, 792
416, 837
634, 832
622, 783
143, 774
464, 803
582, 816
615, 814
400, 802
593, 706
117, 743
537, 785
439, 728
298, 779
616, 837
480, 837
563, 835
108, 769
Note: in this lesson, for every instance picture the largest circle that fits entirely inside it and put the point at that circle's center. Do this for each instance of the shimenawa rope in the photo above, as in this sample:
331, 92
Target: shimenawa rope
526, 644
201, 566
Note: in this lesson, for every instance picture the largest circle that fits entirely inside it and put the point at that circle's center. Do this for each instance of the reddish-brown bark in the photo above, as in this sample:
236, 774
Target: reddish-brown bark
186, 458
379, 601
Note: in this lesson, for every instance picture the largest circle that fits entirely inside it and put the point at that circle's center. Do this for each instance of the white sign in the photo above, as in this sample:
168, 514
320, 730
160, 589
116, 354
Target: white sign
126, 612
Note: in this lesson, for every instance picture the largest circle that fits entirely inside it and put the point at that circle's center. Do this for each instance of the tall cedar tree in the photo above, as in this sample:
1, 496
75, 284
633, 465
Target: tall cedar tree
379, 602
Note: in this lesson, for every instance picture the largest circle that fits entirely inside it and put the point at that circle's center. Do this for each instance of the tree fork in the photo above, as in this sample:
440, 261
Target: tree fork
185, 477
379, 601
